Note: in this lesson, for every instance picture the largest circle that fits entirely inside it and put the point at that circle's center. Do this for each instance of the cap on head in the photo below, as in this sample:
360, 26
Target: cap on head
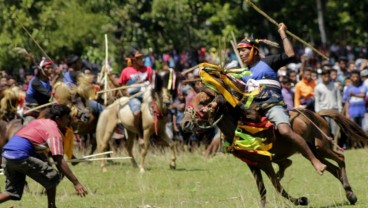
46, 64
135, 54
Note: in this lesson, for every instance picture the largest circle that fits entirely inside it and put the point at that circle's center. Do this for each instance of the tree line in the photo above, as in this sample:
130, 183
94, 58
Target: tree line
78, 26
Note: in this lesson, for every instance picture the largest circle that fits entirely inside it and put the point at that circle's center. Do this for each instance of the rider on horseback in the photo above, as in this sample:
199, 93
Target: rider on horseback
136, 72
39, 88
264, 70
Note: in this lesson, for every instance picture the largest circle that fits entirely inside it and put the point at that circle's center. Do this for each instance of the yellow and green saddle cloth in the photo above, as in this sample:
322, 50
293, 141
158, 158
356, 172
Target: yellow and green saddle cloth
222, 81
245, 139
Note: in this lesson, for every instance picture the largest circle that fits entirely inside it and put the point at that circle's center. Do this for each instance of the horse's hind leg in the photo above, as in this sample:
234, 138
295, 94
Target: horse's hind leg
338, 172
104, 132
268, 169
129, 146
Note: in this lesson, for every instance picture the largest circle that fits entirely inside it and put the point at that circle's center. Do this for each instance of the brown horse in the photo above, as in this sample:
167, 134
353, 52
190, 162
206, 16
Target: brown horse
77, 98
9, 121
155, 107
202, 114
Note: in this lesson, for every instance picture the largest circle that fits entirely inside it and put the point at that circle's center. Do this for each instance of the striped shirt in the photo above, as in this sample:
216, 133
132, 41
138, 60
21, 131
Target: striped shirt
43, 134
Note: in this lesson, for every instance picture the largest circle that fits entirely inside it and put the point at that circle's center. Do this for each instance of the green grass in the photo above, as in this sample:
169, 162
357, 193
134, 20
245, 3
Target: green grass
222, 181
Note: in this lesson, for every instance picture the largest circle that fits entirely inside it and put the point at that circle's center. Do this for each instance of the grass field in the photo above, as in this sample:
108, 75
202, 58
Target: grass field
222, 181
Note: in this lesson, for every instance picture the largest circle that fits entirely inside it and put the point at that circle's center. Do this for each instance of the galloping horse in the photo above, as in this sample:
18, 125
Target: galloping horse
155, 107
10, 98
77, 98
202, 113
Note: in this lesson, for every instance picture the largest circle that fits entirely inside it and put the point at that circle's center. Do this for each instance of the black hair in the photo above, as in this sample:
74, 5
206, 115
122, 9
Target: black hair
285, 79
355, 72
72, 59
58, 110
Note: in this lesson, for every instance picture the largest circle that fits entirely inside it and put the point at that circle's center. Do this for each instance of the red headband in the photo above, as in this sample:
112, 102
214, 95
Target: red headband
246, 45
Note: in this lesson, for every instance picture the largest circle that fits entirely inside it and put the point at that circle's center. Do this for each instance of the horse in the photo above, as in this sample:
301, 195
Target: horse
10, 99
155, 109
203, 114
77, 98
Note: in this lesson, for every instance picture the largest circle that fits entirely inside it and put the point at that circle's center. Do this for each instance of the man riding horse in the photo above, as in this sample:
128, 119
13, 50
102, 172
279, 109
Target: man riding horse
136, 72
269, 99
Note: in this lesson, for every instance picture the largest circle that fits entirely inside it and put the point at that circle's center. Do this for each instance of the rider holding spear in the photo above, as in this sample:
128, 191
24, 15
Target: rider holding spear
136, 72
270, 100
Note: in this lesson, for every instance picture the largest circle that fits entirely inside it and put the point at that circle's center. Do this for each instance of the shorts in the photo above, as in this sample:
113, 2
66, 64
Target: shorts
17, 170
278, 115
96, 107
135, 105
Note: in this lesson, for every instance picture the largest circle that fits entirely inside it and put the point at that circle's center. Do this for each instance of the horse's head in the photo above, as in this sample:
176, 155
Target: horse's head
11, 99
203, 112
76, 97
165, 88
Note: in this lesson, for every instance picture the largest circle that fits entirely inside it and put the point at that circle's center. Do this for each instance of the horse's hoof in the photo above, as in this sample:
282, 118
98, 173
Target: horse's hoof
302, 201
352, 198
141, 170
172, 166
135, 165
104, 170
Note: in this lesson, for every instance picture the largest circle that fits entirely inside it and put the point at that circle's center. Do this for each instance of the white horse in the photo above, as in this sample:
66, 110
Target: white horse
154, 118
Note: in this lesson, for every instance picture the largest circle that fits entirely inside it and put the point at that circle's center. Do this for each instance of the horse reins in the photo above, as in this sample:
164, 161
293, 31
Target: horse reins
320, 130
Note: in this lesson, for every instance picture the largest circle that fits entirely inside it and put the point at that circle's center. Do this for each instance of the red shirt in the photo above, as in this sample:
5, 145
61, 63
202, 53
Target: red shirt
133, 75
43, 132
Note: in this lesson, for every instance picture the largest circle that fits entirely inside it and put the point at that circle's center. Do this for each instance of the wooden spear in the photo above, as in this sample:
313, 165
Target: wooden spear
106, 70
233, 44
189, 70
122, 87
39, 107
250, 3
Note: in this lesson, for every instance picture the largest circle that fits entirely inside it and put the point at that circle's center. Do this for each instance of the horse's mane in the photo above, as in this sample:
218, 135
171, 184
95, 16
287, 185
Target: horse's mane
85, 88
10, 98
64, 94
169, 79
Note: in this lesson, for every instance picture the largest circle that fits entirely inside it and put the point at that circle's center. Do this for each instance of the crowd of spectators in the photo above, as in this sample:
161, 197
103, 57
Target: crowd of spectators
311, 82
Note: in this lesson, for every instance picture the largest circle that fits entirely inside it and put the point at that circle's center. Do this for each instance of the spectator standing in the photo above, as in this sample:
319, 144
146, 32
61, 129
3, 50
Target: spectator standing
304, 91
327, 94
287, 92
354, 97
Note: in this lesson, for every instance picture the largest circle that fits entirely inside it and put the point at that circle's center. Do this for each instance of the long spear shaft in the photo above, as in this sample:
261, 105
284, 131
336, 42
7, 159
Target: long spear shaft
288, 32
38, 45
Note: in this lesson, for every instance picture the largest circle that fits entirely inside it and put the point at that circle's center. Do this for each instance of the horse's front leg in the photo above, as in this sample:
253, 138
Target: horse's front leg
268, 169
260, 184
283, 165
147, 132
169, 141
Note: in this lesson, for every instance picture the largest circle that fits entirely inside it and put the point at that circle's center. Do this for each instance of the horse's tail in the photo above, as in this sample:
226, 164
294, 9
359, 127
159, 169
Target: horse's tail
348, 127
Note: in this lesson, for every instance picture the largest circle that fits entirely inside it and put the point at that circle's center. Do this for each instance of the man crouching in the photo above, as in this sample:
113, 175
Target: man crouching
24, 155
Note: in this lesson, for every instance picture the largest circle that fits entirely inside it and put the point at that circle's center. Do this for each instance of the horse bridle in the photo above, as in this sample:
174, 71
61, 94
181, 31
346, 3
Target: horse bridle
196, 116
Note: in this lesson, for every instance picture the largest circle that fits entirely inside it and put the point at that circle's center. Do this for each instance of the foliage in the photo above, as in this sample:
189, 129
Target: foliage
77, 26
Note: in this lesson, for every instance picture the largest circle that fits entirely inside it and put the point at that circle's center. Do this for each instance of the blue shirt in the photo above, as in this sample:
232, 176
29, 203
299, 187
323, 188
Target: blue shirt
18, 148
267, 68
356, 105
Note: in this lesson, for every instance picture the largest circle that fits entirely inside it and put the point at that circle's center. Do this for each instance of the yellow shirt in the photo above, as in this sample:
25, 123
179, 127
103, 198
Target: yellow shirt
68, 141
